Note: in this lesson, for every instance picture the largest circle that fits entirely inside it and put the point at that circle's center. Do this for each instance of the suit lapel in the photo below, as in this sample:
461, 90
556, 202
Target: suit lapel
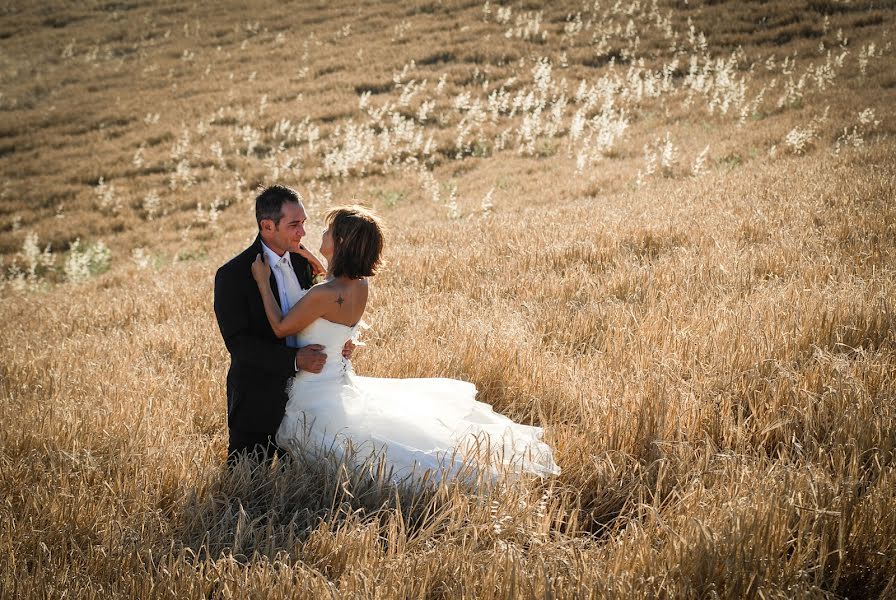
274, 288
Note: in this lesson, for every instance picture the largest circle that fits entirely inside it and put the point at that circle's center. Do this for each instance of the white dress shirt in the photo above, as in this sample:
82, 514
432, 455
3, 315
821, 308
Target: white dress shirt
273, 257
279, 274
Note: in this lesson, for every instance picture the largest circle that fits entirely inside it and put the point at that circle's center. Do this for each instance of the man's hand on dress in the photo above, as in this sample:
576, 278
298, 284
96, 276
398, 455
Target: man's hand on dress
348, 349
310, 358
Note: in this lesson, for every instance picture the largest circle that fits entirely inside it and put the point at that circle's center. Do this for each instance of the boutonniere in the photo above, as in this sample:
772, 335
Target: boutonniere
319, 278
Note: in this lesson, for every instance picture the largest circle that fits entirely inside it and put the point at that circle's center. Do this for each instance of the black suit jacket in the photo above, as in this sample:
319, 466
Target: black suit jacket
260, 363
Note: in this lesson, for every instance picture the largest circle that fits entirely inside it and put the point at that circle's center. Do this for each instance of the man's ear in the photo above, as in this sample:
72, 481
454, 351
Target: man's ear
266, 225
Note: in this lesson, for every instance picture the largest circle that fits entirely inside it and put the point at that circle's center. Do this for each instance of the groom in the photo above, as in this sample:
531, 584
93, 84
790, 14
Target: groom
260, 363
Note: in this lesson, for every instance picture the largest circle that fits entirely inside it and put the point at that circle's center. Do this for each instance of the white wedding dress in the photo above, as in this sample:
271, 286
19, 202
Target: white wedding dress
411, 425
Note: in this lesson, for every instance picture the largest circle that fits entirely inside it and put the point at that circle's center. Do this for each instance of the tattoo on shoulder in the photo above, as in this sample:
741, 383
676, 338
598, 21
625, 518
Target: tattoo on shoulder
340, 300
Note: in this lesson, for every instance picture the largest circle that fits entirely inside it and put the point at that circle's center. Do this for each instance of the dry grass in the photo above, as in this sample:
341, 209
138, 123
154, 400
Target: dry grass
710, 344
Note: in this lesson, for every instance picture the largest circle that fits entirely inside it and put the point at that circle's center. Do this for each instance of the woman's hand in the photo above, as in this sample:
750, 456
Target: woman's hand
316, 267
261, 270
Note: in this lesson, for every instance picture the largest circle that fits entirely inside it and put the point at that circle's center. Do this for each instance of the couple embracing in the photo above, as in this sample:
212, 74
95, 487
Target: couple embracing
289, 324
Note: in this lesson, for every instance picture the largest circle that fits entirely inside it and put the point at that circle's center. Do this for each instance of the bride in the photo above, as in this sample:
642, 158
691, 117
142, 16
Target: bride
413, 425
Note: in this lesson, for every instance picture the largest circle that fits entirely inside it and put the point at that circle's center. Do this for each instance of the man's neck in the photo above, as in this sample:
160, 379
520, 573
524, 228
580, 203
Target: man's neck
272, 249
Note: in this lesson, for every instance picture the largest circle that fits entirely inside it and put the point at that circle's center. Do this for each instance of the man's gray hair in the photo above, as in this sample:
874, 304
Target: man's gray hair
269, 203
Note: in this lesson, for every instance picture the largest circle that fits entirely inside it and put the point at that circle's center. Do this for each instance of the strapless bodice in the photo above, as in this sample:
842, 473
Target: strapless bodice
332, 336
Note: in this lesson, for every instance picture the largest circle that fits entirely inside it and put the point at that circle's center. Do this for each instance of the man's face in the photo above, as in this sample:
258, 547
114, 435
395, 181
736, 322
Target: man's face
286, 235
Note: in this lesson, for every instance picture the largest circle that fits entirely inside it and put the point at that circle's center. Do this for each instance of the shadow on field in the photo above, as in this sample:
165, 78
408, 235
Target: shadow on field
261, 510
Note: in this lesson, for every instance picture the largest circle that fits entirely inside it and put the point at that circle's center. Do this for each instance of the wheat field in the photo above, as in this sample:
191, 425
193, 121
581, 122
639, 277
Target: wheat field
664, 230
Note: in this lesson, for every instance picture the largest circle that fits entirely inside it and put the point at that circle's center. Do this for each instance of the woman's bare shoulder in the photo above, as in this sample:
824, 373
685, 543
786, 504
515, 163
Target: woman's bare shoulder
323, 288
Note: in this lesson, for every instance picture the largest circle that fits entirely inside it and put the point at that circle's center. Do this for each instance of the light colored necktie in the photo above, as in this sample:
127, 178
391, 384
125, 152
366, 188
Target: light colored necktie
292, 290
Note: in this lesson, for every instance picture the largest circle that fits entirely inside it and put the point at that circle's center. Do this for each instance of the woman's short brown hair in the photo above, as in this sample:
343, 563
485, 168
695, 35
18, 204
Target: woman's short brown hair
357, 241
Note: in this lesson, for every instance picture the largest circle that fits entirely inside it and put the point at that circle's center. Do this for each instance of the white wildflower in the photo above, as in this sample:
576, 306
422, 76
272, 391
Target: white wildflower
141, 257
800, 139
138, 161
107, 200
453, 208
699, 169
83, 261
35, 263
866, 117
668, 154
151, 205
487, 203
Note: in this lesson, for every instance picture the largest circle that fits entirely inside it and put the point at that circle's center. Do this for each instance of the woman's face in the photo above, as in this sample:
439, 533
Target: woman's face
326, 244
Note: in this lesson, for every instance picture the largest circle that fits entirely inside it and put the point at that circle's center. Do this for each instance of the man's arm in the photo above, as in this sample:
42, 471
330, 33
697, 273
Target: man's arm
232, 313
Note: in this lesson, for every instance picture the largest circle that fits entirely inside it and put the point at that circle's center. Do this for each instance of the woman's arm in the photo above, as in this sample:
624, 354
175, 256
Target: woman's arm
306, 310
316, 267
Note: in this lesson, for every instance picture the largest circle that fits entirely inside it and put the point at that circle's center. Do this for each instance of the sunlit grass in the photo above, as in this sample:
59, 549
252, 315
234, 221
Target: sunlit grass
670, 243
